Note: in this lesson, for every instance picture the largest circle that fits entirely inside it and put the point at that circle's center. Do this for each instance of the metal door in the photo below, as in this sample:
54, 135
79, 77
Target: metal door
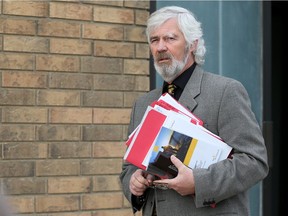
233, 36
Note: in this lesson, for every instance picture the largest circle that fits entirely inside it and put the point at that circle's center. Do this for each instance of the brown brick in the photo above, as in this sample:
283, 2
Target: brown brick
106, 183
103, 99
113, 15
24, 114
25, 150
57, 63
126, 203
70, 11
141, 17
69, 185
16, 168
130, 98
142, 83
17, 26
102, 31
101, 201
25, 186
57, 133
136, 66
125, 133
26, 8
59, 28
102, 132
136, 34
109, 149
145, 4
101, 65
116, 212
105, 2
1, 39
70, 46
57, 167
142, 51
114, 82
17, 133
101, 166
24, 79
1, 154
118, 82
72, 81
25, 44
22, 204
71, 115
17, 97
70, 150
58, 98
57, 203
16, 61
114, 49
71, 214
61, 110
111, 116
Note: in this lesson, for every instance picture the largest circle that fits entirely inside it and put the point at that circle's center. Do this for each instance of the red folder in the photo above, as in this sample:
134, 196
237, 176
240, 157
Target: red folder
143, 138
167, 106
165, 101
164, 104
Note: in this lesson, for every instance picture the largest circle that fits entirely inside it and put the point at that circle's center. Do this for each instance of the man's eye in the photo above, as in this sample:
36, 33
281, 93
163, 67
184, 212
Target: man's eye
153, 40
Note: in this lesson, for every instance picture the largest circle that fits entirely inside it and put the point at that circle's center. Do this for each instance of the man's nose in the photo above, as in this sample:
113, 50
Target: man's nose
161, 46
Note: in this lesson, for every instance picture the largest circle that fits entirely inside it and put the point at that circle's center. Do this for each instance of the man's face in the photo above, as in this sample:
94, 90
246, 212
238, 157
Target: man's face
169, 50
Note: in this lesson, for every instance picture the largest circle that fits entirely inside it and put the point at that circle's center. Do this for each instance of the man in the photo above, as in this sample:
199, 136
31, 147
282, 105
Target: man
177, 46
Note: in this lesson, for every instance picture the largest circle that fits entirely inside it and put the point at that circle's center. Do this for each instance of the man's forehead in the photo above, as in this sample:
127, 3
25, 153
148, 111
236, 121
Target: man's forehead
164, 34
168, 28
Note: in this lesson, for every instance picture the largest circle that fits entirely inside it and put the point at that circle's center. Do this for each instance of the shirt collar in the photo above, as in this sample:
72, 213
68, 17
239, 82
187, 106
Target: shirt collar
182, 79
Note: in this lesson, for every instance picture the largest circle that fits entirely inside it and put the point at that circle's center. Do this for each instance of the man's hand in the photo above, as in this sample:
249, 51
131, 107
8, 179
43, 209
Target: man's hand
183, 183
139, 182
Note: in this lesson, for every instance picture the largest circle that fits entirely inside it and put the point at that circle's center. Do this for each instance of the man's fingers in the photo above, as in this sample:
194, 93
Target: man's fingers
176, 161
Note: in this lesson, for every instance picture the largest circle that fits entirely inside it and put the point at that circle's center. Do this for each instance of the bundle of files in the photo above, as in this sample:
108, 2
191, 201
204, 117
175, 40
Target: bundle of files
168, 128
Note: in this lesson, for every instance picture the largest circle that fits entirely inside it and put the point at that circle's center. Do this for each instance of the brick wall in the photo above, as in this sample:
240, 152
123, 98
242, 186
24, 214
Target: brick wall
70, 71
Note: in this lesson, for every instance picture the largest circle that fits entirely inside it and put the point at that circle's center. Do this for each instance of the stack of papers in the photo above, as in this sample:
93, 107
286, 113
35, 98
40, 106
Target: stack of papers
169, 128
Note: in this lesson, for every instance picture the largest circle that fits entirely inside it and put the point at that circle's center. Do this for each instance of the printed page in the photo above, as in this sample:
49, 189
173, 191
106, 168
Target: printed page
192, 152
178, 124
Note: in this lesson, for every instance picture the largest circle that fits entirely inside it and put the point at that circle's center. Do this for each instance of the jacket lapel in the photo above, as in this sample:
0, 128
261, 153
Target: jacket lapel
192, 89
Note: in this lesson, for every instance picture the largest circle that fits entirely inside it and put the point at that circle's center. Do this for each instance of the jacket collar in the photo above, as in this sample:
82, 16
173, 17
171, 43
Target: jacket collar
192, 89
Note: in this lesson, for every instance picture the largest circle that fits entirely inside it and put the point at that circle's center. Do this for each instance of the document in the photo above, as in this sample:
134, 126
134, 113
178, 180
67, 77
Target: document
193, 152
168, 128
143, 137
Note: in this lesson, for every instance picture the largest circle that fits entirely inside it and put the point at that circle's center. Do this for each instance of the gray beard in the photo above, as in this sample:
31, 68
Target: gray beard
170, 72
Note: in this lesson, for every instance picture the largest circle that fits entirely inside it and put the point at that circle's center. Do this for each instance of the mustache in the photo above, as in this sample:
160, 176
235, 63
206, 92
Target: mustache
163, 56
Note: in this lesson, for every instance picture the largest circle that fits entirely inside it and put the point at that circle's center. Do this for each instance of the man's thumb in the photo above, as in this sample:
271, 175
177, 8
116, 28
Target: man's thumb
176, 161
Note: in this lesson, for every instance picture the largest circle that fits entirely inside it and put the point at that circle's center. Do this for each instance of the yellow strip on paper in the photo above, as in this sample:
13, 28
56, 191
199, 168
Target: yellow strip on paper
190, 151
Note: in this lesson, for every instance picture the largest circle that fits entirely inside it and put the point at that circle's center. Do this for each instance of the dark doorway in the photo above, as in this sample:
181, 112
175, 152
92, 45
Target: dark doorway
275, 56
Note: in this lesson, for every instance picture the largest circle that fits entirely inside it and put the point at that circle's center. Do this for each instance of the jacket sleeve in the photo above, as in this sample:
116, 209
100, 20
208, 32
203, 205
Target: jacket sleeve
238, 127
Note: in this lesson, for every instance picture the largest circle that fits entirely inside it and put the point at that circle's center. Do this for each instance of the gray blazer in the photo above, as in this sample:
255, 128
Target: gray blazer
224, 106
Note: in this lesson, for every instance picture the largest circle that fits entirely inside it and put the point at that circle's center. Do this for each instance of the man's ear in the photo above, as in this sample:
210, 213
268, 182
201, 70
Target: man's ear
193, 46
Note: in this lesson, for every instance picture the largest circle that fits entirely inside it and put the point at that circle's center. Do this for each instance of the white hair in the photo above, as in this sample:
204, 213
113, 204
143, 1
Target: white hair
187, 23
